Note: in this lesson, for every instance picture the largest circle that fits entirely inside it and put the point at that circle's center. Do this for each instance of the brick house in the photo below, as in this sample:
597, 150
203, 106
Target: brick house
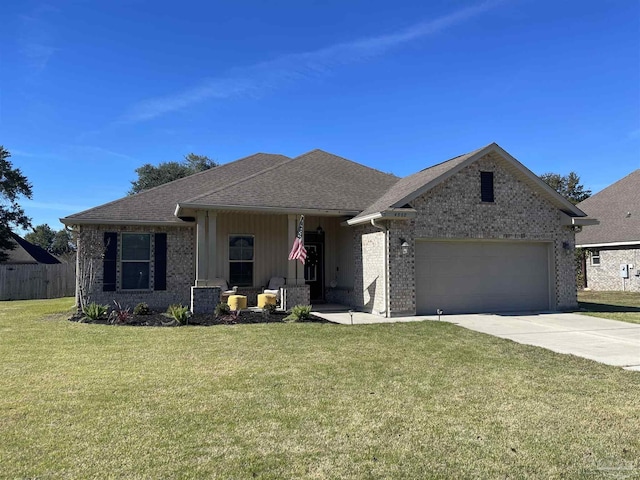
476, 233
613, 247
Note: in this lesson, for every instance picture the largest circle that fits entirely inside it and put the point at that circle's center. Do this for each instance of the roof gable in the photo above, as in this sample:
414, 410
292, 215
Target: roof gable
27, 252
618, 209
411, 187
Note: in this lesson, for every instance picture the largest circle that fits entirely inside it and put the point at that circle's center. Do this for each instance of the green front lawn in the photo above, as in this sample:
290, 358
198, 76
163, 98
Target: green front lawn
623, 306
412, 400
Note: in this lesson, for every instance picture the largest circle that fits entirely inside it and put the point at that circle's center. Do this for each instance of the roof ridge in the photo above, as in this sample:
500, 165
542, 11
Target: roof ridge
472, 152
244, 179
346, 160
633, 172
172, 183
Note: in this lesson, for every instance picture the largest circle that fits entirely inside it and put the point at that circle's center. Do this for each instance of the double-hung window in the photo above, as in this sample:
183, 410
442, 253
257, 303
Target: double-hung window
135, 260
241, 260
595, 257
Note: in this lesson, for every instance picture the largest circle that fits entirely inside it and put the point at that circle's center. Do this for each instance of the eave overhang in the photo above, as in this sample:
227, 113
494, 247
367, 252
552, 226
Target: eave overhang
145, 223
578, 221
182, 209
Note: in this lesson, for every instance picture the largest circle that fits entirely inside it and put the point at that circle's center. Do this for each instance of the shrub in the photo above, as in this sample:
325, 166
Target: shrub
222, 309
299, 313
95, 311
142, 309
180, 313
119, 314
269, 309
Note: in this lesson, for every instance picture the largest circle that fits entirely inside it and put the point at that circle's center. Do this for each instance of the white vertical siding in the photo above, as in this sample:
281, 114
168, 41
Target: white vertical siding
271, 246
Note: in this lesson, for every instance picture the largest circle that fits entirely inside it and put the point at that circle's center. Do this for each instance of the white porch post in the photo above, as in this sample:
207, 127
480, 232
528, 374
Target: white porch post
212, 245
202, 257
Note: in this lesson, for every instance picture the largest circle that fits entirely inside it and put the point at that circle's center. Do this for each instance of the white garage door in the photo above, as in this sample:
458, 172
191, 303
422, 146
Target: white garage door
477, 276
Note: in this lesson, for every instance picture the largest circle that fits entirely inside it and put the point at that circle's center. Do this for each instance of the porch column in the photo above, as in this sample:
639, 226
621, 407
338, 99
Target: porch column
202, 257
212, 245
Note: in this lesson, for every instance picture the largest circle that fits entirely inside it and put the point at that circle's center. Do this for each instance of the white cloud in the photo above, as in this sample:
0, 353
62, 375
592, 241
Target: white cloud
36, 39
99, 151
255, 79
60, 207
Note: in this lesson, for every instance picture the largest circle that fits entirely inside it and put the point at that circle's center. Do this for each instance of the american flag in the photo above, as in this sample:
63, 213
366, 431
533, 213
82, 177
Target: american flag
298, 252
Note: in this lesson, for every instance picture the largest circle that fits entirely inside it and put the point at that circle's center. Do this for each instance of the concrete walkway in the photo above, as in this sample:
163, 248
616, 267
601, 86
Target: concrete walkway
605, 341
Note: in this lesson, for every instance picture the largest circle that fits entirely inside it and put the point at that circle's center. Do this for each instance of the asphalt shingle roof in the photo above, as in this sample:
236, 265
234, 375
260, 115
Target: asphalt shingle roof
27, 252
612, 207
158, 204
315, 180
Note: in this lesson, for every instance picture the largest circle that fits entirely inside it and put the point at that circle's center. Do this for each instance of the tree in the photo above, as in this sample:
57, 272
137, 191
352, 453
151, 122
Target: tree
62, 244
150, 176
55, 242
567, 185
42, 235
13, 184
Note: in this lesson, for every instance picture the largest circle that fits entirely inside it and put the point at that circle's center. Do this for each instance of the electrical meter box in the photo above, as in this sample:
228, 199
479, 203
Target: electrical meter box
624, 271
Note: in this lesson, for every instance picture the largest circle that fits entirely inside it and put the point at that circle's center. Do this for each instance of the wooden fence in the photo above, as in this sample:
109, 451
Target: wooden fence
24, 282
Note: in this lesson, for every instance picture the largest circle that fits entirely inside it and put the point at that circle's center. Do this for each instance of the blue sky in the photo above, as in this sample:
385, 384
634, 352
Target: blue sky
91, 90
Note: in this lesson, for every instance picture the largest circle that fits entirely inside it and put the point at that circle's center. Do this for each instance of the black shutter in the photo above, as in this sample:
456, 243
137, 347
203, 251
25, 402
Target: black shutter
160, 262
486, 186
109, 263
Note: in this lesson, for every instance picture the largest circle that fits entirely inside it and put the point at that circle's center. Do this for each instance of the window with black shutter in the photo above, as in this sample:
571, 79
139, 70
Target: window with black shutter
486, 186
160, 262
136, 254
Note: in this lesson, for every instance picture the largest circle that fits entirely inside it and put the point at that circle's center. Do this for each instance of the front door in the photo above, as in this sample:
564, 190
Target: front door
314, 268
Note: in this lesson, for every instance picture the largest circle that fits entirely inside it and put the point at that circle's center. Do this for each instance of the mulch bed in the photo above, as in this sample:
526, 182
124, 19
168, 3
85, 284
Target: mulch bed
156, 319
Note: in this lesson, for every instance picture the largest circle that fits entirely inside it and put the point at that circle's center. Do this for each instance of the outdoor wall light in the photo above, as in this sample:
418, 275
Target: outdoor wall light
566, 245
319, 230
404, 245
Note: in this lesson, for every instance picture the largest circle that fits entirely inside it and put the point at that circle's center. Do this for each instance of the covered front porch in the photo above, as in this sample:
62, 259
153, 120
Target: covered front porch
246, 250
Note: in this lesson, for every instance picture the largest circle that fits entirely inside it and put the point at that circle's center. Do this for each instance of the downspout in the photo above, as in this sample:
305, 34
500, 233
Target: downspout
387, 300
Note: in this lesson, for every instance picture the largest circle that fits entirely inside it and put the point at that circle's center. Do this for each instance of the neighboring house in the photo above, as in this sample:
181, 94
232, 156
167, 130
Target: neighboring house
32, 272
613, 247
28, 253
477, 233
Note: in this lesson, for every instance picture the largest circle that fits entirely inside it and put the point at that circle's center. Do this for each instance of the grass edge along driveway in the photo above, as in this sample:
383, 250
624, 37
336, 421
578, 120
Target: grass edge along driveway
411, 400
623, 306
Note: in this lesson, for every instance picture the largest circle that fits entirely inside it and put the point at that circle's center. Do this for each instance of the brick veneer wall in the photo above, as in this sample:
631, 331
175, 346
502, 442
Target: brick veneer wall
453, 210
204, 299
369, 269
606, 276
180, 265
293, 295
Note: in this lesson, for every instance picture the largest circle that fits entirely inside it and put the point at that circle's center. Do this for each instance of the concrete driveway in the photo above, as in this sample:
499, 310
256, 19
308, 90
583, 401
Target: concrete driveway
605, 341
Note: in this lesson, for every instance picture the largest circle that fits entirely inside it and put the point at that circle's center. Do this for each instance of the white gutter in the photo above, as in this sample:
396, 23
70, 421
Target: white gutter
584, 221
387, 300
146, 223
609, 244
